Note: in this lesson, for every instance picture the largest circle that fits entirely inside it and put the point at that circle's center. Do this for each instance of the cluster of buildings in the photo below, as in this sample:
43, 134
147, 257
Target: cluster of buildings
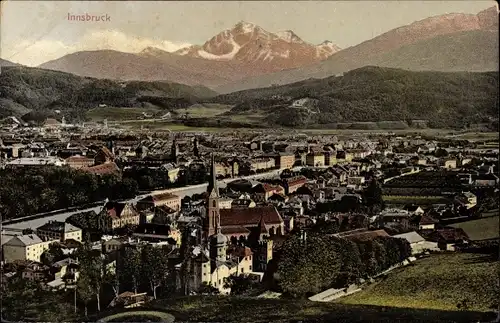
237, 224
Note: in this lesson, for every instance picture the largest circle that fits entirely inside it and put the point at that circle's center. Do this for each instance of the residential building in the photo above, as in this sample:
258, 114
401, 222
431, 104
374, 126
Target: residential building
417, 243
25, 247
263, 192
315, 159
118, 215
164, 199
291, 184
78, 162
56, 230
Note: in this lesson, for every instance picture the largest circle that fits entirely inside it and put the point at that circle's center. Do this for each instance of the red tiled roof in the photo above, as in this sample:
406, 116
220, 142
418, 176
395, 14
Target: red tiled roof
267, 188
296, 180
163, 197
249, 216
79, 159
240, 251
106, 152
115, 209
262, 226
107, 168
234, 230
425, 219
452, 234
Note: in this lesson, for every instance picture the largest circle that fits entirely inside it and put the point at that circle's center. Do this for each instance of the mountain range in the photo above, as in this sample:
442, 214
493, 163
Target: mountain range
249, 43
247, 56
243, 51
4, 62
451, 42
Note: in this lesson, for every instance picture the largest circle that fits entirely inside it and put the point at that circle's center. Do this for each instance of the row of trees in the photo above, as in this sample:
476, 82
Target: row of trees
314, 263
135, 269
26, 191
144, 266
24, 300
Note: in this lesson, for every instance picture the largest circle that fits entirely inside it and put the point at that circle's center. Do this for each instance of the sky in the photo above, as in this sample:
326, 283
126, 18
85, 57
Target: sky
33, 32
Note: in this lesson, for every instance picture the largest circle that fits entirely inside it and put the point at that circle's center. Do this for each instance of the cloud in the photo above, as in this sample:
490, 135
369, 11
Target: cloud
35, 53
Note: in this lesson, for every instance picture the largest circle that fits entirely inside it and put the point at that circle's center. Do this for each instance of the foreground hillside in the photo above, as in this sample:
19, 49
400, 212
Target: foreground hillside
427, 292
24, 89
374, 94
439, 282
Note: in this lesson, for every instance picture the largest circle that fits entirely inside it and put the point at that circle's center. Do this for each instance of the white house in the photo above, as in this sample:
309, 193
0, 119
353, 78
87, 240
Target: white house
25, 247
417, 242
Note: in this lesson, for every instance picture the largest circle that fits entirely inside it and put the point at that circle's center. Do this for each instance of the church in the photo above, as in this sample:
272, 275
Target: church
231, 243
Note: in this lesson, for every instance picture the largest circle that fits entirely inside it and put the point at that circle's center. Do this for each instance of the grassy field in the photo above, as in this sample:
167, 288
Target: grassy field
418, 200
166, 125
118, 114
477, 136
240, 309
439, 282
207, 110
481, 229
140, 316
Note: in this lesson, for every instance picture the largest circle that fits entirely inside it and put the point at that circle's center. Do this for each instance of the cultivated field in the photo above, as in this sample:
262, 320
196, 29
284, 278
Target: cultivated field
485, 228
205, 110
119, 114
439, 282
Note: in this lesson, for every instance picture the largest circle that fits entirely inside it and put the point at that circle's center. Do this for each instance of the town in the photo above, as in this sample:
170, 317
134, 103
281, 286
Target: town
98, 218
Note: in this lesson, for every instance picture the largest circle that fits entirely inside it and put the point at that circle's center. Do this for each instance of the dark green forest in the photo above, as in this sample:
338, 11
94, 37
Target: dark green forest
23, 89
310, 264
27, 191
372, 94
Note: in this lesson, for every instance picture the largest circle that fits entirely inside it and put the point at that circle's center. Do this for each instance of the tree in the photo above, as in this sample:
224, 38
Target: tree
155, 266
240, 285
24, 300
352, 267
53, 254
132, 266
373, 197
85, 291
326, 227
308, 264
206, 289
91, 271
112, 278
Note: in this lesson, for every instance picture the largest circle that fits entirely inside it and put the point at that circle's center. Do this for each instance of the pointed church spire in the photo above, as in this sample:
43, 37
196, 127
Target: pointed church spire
212, 188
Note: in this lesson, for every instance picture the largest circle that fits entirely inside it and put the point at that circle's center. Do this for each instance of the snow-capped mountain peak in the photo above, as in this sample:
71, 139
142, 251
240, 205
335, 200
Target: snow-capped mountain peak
289, 36
245, 27
152, 50
250, 43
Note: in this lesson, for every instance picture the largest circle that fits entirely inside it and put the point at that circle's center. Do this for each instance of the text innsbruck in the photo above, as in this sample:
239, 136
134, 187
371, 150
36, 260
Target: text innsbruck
86, 17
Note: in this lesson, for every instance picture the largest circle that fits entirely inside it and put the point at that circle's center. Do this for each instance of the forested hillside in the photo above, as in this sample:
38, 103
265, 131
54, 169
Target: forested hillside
372, 94
24, 89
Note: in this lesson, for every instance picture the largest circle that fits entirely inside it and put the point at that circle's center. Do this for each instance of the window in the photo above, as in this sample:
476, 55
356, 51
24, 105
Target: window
241, 270
214, 203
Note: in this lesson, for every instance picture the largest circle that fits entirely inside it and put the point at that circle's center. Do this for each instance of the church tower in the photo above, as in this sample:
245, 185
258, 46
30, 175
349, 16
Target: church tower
196, 152
213, 210
174, 151
218, 244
